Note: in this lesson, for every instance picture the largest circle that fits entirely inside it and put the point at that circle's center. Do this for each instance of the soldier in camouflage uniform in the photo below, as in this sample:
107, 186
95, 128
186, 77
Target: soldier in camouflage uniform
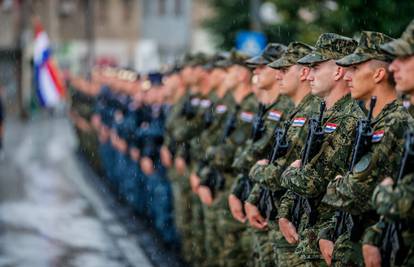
259, 144
179, 183
211, 135
183, 126
394, 200
306, 184
293, 83
367, 75
234, 133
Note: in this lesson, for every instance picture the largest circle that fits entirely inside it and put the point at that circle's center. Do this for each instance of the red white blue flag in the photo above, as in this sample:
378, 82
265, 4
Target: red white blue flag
49, 86
330, 127
377, 136
298, 122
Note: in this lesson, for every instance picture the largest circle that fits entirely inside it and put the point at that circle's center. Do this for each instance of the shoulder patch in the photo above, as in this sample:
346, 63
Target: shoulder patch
220, 109
205, 103
330, 127
362, 164
274, 115
377, 136
195, 101
298, 122
246, 116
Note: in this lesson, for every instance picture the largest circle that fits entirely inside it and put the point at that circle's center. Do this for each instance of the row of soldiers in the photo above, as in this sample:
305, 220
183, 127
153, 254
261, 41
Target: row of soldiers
120, 124
301, 156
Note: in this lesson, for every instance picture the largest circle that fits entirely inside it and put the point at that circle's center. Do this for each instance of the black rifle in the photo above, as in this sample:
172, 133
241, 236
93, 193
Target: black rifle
258, 129
393, 247
258, 124
188, 110
266, 205
280, 145
362, 144
215, 180
312, 147
208, 117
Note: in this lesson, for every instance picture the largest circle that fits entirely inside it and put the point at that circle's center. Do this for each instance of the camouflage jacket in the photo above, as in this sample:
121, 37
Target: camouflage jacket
212, 136
224, 153
352, 192
269, 176
205, 119
274, 117
311, 180
394, 203
171, 123
186, 124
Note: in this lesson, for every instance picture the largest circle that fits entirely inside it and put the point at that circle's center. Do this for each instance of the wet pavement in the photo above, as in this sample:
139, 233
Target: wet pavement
50, 215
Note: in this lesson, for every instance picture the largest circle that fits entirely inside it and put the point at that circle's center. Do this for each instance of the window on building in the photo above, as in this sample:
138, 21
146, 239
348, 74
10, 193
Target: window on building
178, 8
162, 5
128, 9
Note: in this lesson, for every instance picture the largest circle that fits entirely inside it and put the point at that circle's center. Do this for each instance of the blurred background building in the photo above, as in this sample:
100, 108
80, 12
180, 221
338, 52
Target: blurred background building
139, 34
146, 34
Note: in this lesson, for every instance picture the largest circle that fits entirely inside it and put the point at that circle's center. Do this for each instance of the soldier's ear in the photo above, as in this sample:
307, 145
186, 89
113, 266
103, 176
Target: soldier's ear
339, 73
380, 74
304, 72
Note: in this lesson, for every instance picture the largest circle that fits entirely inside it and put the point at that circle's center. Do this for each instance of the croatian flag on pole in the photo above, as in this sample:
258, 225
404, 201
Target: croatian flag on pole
49, 87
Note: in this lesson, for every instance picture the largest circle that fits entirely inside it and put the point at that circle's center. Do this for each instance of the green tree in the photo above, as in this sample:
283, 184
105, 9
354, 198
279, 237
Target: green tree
305, 20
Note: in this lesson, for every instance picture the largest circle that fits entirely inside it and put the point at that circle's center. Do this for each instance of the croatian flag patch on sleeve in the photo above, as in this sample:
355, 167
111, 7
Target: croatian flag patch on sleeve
220, 109
246, 116
377, 136
274, 115
298, 122
330, 127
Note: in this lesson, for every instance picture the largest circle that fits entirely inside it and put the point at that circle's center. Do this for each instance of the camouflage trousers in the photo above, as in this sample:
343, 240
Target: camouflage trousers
182, 197
262, 248
347, 253
197, 252
237, 248
284, 253
213, 240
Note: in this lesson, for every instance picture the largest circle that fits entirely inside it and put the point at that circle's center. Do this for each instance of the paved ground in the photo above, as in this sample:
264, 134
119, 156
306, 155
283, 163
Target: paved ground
50, 215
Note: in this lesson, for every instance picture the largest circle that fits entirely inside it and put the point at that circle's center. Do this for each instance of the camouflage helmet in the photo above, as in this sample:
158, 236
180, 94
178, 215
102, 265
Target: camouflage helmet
272, 52
368, 48
193, 60
212, 61
403, 46
329, 46
232, 58
294, 52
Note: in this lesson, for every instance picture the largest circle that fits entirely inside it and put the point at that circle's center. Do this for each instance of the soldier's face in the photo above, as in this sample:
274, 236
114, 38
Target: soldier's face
266, 78
360, 81
231, 79
289, 80
403, 69
322, 77
217, 77
187, 74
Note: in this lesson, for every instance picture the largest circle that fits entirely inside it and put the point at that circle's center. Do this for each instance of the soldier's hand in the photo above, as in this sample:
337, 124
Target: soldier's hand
134, 153
194, 182
338, 177
180, 165
236, 208
296, 164
166, 157
387, 181
263, 162
372, 256
288, 230
253, 215
326, 247
205, 195
147, 166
